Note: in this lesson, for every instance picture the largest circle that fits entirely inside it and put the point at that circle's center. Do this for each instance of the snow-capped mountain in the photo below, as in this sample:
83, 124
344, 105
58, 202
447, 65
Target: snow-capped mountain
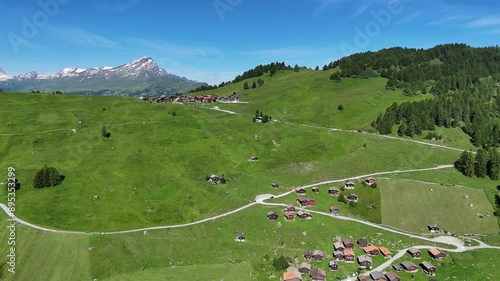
141, 76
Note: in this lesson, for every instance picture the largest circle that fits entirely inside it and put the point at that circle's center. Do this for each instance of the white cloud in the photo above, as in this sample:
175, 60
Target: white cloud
447, 20
412, 16
484, 22
83, 37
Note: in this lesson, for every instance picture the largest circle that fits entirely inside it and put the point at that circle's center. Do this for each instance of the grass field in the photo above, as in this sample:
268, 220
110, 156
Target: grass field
434, 203
45, 256
152, 170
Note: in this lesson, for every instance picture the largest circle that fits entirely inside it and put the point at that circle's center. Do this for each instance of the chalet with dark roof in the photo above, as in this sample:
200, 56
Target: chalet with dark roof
272, 216
274, 185
391, 276
308, 254
333, 265
414, 253
315, 189
349, 185
378, 276
301, 191
362, 243
240, 237
348, 244
370, 181
304, 215
334, 210
305, 268
434, 228
397, 267
318, 255
365, 261
353, 197
333, 191
306, 202
428, 268
338, 246
289, 208
318, 274
409, 266
338, 255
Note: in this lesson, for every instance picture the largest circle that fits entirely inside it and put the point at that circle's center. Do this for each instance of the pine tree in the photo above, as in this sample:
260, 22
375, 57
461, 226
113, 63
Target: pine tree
465, 164
246, 86
481, 164
38, 181
493, 167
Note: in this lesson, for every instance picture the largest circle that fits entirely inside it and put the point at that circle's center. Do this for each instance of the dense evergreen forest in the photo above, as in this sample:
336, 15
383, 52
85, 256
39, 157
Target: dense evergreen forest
258, 71
464, 80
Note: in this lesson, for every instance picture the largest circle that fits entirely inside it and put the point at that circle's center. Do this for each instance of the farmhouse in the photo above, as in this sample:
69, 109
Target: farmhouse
318, 255
289, 216
318, 274
215, 179
349, 185
365, 261
304, 215
240, 237
428, 268
339, 246
334, 210
305, 267
308, 254
353, 197
333, 191
434, 228
315, 189
300, 191
289, 208
378, 276
385, 252
370, 181
333, 265
437, 254
272, 216
292, 276
362, 243
409, 266
348, 244
371, 250
306, 202
338, 255
274, 185
349, 256
391, 276
414, 253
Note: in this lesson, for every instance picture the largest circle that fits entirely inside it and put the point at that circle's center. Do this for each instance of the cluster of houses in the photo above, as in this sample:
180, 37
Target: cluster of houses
289, 213
194, 99
344, 251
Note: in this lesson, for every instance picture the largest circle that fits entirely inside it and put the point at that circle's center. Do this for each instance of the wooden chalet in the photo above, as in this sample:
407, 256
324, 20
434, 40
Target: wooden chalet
370, 181
274, 185
292, 276
398, 267
349, 185
333, 265
253, 159
349, 256
437, 254
308, 254
315, 189
362, 243
365, 261
434, 228
240, 237
306, 202
353, 197
338, 246
377, 276
391, 276
305, 267
304, 215
385, 252
409, 266
333, 191
348, 244
318, 255
414, 253
362, 278
301, 191
272, 216
318, 274
338, 255
334, 210
428, 268
289, 208
371, 250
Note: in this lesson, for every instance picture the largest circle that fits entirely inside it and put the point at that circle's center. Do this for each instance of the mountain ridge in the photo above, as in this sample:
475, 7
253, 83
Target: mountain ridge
143, 75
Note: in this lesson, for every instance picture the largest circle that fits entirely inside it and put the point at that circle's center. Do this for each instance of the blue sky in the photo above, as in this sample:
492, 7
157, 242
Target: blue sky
214, 40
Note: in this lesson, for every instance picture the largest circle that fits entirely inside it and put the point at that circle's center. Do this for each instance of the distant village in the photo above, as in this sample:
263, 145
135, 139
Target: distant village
233, 98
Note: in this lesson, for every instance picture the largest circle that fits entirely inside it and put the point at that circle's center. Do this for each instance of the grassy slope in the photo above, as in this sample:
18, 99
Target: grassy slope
47, 256
444, 205
152, 169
